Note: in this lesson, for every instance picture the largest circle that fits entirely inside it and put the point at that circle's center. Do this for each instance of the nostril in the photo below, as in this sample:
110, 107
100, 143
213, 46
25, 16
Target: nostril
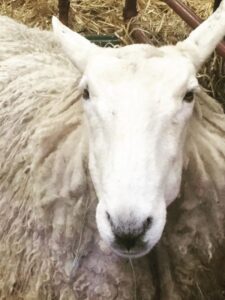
147, 223
109, 219
108, 216
127, 241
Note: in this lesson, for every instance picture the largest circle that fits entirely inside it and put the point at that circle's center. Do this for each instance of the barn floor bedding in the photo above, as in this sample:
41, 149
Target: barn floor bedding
189, 261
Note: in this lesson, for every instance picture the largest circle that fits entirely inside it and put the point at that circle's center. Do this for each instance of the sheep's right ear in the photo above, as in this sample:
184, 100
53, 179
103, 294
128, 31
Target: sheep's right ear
203, 40
78, 48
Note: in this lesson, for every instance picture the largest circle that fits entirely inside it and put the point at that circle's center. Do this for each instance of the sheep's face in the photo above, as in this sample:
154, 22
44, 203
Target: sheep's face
137, 102
137, 110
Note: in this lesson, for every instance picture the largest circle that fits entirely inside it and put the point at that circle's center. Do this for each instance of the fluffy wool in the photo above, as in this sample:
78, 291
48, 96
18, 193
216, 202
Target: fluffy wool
50, 247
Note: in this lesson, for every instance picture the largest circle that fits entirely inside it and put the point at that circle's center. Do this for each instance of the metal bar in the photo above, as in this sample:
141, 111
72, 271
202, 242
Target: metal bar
64, 6
138, 35
191, 19
103, 40
130, 9
184, 12
216, 4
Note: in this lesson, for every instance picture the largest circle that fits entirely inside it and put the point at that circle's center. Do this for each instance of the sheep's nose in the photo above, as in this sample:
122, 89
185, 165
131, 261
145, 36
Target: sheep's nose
127, 241
132, 238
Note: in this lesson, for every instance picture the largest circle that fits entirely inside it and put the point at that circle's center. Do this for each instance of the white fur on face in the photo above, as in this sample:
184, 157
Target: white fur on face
136, 119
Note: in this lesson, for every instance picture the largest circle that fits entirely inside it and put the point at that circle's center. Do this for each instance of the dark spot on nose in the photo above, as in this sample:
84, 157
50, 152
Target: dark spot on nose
127, 241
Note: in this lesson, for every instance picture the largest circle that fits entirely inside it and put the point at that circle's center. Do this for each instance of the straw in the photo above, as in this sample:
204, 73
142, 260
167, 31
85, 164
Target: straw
155, 18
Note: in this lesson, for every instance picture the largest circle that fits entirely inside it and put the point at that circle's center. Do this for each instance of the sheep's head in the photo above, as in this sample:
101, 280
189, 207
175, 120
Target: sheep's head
137, 101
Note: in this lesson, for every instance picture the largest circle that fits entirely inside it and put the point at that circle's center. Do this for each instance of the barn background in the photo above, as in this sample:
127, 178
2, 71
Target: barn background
155, 18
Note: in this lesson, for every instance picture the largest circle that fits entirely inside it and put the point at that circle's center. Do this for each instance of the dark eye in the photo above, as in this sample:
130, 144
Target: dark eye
189, 97
86, 95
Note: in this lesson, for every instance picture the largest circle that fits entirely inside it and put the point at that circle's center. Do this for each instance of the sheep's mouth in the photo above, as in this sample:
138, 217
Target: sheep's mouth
131, 253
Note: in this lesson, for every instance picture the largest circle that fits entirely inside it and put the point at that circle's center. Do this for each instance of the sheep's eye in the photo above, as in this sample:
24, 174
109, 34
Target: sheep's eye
189, 97
86, 95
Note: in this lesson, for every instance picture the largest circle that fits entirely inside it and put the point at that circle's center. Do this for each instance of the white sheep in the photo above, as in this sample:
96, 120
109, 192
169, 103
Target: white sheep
142, 120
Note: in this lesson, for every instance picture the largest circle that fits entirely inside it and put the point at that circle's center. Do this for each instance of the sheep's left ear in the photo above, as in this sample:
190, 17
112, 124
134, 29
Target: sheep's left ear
78, 48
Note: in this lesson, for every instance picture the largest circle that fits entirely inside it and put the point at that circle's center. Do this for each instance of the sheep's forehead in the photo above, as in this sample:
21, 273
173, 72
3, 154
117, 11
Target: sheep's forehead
168, 71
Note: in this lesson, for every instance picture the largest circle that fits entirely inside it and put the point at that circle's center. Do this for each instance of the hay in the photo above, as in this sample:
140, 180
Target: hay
47, 253
104, 16
155, 18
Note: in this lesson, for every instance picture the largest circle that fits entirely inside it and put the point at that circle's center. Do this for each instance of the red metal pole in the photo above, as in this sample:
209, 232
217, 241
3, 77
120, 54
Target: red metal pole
216, 4
63, 6
191, 19
130, 9
184, 12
